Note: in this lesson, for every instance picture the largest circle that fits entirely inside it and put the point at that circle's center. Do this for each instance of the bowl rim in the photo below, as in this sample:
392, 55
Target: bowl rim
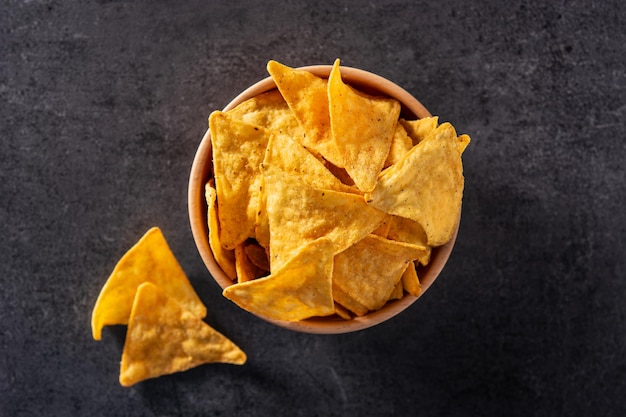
201, 170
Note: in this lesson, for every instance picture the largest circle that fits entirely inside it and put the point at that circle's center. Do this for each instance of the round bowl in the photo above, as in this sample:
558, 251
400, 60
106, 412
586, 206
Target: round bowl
201, 171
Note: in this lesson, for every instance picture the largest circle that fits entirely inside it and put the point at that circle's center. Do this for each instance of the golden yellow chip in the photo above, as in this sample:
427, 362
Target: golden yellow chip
246, 269
291, 157
224, 258
163, 338
306, 95
426, 185
149, 260
409, 231
411, 282
300, 289
400, 145
369, 270
257, 255
362, 129
346, 301
299, 214
398, 291
238, 150
419, 129
269, 110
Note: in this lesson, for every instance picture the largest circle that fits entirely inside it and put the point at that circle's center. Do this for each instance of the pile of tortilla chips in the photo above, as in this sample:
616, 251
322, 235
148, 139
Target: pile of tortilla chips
324, 200
149, 292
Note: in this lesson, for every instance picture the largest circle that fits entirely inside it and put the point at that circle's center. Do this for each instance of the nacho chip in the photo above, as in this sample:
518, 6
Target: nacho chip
398, 291
419, 129
238, 150
224, 258
348, 302
400, 145
149, 260
409, 231
410, 281
300, 289
369, 270
246, 270
306, 95
299, 214
293, 158
164, 338
257, 255
270, 111
425, 186
362, 129
342, 312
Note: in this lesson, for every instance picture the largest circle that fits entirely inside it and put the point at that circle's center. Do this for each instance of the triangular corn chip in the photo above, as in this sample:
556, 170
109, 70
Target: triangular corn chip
149, 260
300, 289
238, 150
400, 145
163, 338
246, 270
411, 282
409, 231
270, 111
293, 158
299, 214
306, 95
369, 270
362, 127
426, 185
419, 129
348, 302
224, 258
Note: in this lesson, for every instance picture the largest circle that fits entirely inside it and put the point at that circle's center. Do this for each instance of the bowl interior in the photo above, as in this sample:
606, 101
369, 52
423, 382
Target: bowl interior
201, 171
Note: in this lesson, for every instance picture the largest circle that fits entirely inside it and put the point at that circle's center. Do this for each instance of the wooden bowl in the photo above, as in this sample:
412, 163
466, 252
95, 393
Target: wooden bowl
201, 171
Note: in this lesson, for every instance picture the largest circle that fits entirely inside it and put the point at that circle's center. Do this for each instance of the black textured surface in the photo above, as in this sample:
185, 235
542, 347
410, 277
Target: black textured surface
102, 104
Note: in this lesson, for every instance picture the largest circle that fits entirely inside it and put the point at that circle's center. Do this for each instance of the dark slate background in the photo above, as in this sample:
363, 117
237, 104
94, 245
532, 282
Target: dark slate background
103, 103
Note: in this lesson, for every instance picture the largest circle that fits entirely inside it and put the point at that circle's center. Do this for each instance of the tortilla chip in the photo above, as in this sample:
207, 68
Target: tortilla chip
300, 289
342, 312
246, 270
369, 270
299, 214
348, 302
164, 338
149, 260
270, 111
410, 281
293, 158
257, 255
419, 129
400, 145
398, 291
409, 231
306, 95
362, 129
238, 150
425, 186
224, 258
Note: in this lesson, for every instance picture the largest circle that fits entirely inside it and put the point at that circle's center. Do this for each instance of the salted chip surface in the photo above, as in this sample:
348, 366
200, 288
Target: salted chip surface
238, 150
362, 128
300, 289
149, 260
419, 129
411, 282
306, 95
224, 258
270, 111
400, 145
163, 338
369, 270
426, 185
299, 214
409, 231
